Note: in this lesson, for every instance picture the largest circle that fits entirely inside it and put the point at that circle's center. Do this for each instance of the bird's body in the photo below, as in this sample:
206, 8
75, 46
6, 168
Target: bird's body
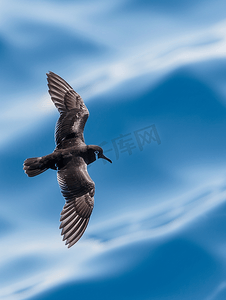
70, 159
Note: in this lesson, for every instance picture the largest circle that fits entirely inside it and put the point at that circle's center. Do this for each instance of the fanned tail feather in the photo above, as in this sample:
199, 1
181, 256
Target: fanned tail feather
34, 166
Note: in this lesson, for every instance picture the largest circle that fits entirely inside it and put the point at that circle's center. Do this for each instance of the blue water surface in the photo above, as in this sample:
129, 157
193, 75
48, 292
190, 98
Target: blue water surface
152, 74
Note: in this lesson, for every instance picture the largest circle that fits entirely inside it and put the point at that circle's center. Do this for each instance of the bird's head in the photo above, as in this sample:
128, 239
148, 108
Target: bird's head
99, 152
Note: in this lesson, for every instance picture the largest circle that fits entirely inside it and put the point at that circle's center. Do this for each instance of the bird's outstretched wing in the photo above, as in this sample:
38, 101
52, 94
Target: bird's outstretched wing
75, 218
78, 190
73, 112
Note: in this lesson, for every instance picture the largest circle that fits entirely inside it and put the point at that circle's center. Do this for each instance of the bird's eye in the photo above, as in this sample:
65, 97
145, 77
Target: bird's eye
96, 152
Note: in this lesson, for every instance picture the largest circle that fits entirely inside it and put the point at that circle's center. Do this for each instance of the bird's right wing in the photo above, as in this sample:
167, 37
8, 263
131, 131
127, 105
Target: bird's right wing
78, 190
74, 180
75, 218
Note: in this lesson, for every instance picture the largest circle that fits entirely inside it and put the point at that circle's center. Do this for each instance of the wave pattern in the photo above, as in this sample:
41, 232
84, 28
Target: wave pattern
158, 227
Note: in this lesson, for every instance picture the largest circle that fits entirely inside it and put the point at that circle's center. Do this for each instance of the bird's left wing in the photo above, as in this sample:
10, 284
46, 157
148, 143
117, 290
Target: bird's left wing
73, 112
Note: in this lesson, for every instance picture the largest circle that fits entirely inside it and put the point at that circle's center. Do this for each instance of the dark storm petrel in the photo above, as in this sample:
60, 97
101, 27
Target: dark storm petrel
70, 159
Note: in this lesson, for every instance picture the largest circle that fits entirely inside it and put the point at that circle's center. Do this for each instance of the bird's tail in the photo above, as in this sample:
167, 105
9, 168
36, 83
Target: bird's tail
34, 166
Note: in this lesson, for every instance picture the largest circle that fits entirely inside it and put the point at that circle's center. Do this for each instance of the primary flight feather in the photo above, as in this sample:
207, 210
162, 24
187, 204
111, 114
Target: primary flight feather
70, 158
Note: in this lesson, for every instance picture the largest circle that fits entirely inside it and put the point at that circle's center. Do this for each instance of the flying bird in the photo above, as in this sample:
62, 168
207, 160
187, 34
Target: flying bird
70, 158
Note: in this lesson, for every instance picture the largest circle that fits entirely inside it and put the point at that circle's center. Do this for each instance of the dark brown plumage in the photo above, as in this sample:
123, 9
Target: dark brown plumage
70, 159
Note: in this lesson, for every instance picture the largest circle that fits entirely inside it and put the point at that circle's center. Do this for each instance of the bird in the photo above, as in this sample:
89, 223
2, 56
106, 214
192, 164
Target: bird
70, 159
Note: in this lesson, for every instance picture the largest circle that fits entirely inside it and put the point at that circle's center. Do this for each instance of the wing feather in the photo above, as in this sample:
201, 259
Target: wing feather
77, 234
74, 179
74, 113
78, 190
68, 220
67, 213
75, 224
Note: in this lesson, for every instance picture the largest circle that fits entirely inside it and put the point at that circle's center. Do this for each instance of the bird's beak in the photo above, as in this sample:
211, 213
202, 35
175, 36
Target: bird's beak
104, 157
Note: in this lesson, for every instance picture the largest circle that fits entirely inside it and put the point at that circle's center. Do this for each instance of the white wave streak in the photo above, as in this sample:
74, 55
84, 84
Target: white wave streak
160, 59
156, 60
63, 265
165, 218
221, 287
